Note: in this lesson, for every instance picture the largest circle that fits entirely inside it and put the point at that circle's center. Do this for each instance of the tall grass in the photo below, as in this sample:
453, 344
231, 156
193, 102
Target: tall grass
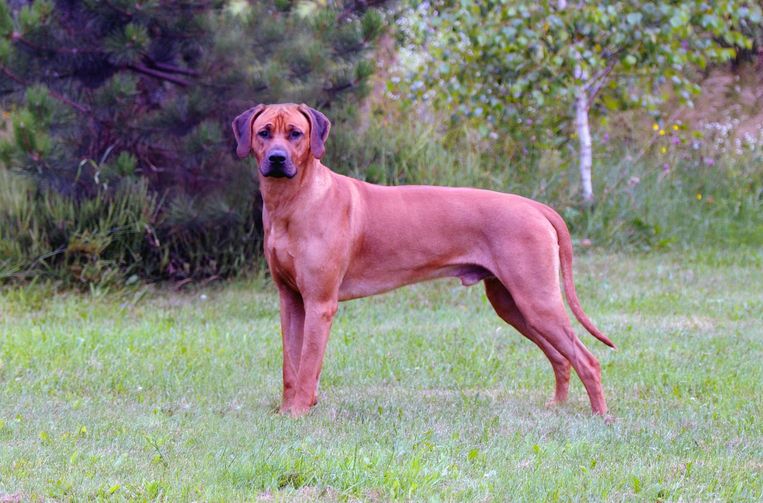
644, 206
88, 240
122, 234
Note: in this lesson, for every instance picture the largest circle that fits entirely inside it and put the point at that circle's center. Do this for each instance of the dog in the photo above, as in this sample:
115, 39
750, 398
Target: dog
331, 238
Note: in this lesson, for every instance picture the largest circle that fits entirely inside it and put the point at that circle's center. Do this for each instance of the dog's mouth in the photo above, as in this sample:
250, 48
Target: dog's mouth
283, 169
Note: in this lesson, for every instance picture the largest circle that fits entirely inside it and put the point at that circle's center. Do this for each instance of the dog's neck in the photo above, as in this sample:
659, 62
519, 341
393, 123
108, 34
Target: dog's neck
278, 194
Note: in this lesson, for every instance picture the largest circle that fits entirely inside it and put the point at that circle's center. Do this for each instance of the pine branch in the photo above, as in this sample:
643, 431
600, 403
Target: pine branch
17, 37
165, 67
157, 74
118, 9
56, 95
161, 72
161, 68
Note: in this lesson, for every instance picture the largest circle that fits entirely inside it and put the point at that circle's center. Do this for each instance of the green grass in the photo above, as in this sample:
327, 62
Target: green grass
425, 394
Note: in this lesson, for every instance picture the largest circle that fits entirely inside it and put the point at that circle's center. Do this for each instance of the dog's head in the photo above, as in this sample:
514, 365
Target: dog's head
283, 137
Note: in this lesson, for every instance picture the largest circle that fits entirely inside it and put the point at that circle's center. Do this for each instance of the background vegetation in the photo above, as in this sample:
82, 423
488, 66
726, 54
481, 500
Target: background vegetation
117, 170
117, 166
119, 116
540, 67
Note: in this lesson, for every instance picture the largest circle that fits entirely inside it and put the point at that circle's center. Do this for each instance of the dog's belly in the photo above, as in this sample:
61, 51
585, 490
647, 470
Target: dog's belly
372, 282
414, 234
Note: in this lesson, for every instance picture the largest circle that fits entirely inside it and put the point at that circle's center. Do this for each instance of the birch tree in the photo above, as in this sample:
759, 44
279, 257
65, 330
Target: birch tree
509, 65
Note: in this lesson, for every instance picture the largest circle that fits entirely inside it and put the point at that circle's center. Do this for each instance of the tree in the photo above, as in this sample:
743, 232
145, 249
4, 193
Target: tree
105, 92
519, 65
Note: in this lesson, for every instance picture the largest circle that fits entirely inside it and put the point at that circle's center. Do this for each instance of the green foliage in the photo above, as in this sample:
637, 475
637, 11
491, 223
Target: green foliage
517, 66
128, 45
693, 204
406, 153
103, 95
372, 24
6, 20
122, 232
297, 55
80, 241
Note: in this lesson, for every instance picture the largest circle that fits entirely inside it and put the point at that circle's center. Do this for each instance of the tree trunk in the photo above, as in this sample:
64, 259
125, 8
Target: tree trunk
584, 135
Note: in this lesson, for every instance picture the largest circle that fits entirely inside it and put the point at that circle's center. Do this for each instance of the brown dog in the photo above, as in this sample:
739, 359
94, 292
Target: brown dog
330, 238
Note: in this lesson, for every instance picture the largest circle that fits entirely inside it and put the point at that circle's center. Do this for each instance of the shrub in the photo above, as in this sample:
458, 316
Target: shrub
81, 241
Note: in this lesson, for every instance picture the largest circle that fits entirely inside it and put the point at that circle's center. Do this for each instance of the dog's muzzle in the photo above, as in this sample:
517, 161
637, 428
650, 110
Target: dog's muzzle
278, 164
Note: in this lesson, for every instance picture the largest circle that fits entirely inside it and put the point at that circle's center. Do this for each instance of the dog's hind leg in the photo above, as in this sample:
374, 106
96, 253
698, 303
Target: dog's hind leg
543, 311
531, 275
553, 325
506, 308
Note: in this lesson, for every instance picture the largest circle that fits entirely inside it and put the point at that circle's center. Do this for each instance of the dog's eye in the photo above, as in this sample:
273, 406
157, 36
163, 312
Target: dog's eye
295, 134
264, 134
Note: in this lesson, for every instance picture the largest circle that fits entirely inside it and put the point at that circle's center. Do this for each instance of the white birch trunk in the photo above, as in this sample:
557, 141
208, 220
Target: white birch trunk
583, 130
584, 135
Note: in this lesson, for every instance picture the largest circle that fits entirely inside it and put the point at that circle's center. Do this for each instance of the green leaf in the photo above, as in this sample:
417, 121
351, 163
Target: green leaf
634, 18
636, 483
610, 102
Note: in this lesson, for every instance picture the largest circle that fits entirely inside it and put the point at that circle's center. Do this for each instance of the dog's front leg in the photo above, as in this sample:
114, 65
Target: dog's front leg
318, 318
292, 328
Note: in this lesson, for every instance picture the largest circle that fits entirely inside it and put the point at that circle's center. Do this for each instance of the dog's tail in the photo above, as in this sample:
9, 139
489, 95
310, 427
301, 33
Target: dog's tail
565, 259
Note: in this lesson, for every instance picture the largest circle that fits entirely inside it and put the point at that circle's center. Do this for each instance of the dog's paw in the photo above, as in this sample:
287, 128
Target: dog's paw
299, 410
553, 403
293, 409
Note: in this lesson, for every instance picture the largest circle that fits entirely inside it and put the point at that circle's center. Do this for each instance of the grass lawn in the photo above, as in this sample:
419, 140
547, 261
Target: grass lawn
426, 394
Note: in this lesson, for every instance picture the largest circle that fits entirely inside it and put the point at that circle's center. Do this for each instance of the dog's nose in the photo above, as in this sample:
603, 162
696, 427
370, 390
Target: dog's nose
277, 156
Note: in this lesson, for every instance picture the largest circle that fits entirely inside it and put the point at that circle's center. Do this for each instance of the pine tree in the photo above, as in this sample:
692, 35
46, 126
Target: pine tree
103, 92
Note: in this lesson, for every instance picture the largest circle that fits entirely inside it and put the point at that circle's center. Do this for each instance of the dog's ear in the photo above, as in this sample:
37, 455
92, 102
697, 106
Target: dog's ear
242, 129
319, 129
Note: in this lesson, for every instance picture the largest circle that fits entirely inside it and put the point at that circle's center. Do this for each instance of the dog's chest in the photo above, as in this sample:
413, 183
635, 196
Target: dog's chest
278, 251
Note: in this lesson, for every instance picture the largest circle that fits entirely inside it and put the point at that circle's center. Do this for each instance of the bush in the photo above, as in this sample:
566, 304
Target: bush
79, 241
